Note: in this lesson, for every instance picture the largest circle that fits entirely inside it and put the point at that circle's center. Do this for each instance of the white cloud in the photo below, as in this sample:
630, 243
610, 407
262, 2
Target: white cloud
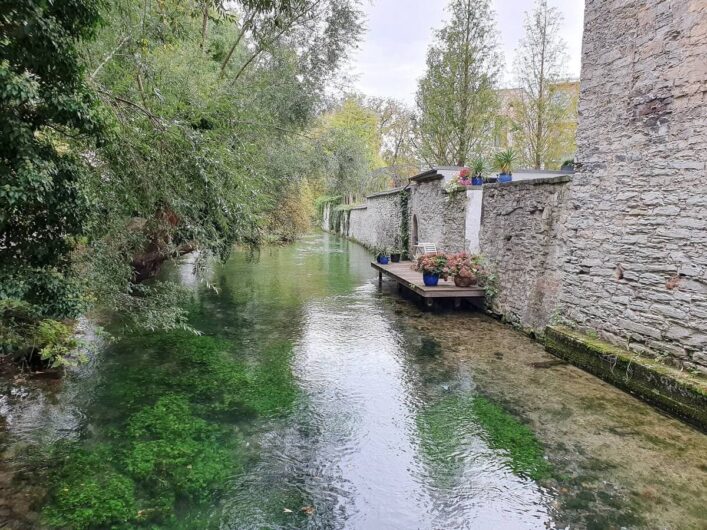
392, 55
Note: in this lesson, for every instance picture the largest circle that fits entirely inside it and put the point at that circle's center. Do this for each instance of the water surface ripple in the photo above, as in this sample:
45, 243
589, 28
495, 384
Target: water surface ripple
400, 419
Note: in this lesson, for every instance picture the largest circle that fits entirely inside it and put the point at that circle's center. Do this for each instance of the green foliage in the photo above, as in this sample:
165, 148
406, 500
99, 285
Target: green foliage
447, 425
544, 113
478, 167
46, 111
404, 222
34, 340
456, 99
321, 203
504, 160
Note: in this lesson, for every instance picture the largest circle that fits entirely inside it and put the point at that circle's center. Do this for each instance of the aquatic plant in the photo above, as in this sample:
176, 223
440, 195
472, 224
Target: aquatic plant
174, 436
505, 432
87, 491
451, 422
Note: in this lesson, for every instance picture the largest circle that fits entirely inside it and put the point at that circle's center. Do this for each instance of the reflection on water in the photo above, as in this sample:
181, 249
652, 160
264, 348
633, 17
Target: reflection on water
331, 404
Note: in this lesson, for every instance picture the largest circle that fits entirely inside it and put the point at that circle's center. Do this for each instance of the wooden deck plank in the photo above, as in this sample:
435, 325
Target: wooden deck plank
404, 275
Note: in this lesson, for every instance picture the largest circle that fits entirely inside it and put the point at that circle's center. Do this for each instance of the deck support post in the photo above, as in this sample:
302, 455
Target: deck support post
380, 279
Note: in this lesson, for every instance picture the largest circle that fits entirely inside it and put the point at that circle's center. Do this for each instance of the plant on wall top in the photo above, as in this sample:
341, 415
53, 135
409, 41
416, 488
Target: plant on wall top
503, 161
478, 167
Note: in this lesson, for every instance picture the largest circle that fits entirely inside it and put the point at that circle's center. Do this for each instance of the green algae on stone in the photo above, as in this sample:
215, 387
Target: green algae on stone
446, 426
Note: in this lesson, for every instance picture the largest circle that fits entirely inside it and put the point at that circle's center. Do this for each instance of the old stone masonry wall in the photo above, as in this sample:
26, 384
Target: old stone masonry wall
636, 264
437, 216
523, 237
375, 223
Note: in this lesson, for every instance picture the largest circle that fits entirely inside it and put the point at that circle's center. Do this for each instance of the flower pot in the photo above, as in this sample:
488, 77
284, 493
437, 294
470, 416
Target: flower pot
383, 260
430, 280
477, 181
505, 177
395, 258
465, 281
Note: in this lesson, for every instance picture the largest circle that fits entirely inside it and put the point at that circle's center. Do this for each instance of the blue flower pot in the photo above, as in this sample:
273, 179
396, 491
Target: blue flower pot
430, 279
477, 181
504, 177
383, 260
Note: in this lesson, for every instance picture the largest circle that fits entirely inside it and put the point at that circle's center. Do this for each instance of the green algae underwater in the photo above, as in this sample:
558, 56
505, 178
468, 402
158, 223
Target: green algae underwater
313, 399
173, 436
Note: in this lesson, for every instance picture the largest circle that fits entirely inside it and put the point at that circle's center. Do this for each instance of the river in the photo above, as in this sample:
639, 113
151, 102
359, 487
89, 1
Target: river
314, 399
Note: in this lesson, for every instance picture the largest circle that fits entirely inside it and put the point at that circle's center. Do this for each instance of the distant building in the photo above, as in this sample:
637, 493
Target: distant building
507, 133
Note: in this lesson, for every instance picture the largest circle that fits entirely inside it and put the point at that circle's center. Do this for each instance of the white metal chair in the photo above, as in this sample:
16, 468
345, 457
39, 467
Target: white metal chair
424, 248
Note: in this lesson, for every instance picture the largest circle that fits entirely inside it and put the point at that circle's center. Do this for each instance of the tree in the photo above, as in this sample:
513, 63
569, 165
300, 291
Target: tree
153, 139
45, 107
396, 129
455, 98
349, 144
545, 111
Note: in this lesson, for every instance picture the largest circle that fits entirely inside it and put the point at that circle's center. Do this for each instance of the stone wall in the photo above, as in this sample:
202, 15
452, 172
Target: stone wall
636, 267
440, 217
375, 223
522, 236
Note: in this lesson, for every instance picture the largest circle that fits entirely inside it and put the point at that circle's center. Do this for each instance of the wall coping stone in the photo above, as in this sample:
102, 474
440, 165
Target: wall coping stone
392, 191
427, 176
561, 179
359, 207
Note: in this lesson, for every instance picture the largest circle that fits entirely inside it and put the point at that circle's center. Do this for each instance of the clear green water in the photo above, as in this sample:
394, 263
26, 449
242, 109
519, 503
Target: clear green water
313, 399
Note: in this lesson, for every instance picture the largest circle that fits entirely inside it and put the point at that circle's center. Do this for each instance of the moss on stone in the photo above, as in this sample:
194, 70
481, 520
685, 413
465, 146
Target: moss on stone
681, 394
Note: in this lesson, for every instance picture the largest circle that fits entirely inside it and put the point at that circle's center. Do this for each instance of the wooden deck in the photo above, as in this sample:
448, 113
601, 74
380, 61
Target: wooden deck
412, 280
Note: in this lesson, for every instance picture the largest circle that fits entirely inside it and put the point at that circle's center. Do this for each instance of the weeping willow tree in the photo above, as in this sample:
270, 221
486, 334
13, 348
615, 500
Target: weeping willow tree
155, 132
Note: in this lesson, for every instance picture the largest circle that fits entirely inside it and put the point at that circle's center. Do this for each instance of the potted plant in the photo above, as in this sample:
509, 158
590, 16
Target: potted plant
456, 184
464, 177
382, 254
433, 267
466, 269
503, 162
478, 168
396, 252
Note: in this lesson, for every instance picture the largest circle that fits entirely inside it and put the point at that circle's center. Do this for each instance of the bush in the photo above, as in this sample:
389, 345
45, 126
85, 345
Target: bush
34, 340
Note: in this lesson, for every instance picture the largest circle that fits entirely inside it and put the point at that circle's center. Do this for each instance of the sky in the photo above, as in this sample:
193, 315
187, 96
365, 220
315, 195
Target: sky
391, 57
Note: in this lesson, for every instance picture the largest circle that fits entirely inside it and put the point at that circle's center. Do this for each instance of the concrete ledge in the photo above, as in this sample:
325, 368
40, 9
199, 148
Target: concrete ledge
561, 179
670, 390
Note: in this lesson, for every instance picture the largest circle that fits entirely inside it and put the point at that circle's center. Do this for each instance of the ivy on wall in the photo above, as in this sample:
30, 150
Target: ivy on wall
404, 198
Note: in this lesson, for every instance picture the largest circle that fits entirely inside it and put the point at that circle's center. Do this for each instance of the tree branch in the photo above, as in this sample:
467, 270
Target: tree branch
108, 57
